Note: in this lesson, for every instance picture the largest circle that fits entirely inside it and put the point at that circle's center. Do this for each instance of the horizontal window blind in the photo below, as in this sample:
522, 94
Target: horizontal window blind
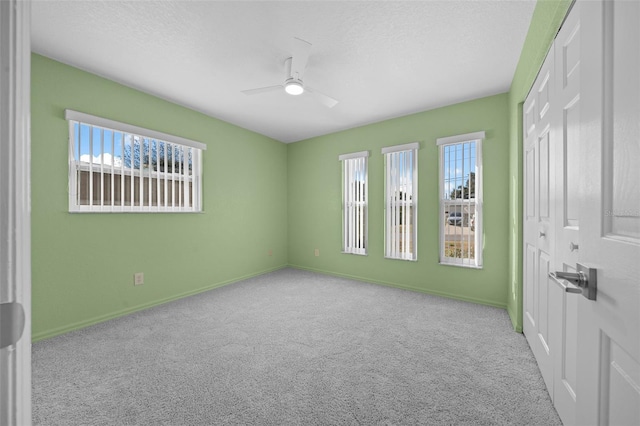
116, 170
354, 202
401, 201
461, 200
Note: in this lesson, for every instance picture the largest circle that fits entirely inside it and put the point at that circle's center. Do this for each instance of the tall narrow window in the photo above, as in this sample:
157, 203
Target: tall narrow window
354, 202
461, 199
117, 167
401, 201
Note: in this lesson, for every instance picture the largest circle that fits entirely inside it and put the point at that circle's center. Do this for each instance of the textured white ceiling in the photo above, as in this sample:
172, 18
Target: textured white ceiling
379, 59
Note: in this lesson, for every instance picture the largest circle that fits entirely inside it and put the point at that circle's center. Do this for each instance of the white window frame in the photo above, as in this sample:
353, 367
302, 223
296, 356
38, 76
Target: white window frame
145, 185
467, 206
355, 202
401, 245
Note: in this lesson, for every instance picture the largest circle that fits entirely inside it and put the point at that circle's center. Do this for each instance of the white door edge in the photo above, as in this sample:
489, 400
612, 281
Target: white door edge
15, 213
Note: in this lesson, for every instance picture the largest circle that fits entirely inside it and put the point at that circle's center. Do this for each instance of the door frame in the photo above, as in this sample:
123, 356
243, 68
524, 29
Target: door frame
15, 213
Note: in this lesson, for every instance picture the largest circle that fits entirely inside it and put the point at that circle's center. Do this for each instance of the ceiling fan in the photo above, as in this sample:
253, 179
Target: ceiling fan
293, 84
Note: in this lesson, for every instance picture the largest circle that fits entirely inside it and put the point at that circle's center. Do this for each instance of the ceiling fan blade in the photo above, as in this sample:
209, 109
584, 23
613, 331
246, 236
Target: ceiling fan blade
263, 90
327, 101
300, 57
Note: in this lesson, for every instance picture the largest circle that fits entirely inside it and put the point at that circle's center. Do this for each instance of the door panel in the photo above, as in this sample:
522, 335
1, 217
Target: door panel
570, 156
529, 297
609, 327
570, 51
621, 385
552, 217
623, 120
566, 145
544, 88
530, 166
538, 232
543, 173
568, 373
543, 298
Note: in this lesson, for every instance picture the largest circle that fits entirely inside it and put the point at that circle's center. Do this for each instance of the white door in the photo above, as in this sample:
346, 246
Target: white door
608, 362
567, 179
552, 174
538, 229
15, 244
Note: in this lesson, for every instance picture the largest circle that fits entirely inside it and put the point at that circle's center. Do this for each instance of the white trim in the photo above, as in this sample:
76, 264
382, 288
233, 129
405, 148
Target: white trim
15, 208
479, 227
397, 148
130, 128
353, 155
461, 138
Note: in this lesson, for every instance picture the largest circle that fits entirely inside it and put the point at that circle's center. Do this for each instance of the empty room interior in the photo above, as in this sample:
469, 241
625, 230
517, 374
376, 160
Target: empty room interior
316, 212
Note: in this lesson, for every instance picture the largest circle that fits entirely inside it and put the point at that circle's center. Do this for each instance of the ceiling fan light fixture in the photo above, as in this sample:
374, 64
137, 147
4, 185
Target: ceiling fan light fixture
294, 87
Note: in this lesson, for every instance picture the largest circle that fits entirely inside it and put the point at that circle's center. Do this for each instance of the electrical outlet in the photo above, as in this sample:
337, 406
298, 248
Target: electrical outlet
138, 278
317, 252
270, 252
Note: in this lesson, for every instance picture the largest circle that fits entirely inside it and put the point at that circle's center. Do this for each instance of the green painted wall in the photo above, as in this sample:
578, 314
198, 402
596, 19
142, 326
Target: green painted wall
547, 19
315, 202
286, 198
83, 264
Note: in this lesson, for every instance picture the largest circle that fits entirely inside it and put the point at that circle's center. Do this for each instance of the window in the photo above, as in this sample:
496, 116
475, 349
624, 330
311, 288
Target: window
461, 200
117, 167
354, 202
401, 201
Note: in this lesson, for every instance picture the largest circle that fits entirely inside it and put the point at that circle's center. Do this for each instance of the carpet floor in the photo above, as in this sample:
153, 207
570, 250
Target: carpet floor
294, 348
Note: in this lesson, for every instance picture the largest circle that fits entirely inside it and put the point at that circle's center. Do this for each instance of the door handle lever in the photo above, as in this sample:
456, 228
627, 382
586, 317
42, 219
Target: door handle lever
11, 323
559, 276
585, 278
575, 278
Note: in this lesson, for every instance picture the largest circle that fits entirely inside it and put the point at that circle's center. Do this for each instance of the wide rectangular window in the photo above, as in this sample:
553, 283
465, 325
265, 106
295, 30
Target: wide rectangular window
354, 202
117, 167
401, 201
461, 199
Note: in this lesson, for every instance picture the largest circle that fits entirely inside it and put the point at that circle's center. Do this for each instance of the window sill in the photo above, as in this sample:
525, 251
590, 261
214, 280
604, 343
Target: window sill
399, 258
134, 211
460, 265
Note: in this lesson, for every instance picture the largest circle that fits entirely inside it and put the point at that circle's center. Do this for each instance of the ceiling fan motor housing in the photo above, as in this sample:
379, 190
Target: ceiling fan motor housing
293, 86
